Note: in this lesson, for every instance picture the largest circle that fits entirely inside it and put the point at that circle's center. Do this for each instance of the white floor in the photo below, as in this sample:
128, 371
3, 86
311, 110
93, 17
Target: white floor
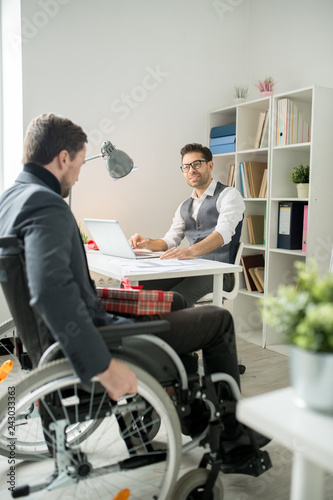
265, 371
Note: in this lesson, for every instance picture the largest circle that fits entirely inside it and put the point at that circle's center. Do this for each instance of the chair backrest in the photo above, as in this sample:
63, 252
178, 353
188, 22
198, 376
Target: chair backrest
30, 327
235, 289
234, 244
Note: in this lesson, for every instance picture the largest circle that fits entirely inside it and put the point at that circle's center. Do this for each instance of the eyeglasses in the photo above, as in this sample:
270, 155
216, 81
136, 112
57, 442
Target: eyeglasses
195, 165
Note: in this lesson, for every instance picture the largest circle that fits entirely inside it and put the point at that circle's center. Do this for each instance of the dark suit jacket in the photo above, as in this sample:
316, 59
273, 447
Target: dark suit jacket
58, 277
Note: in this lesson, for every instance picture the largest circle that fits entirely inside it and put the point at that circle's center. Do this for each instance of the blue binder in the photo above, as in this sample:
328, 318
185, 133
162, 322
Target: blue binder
223, 148
226, 139
223, 130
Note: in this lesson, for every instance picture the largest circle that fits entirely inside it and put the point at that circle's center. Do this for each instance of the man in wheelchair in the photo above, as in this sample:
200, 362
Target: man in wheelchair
62, 293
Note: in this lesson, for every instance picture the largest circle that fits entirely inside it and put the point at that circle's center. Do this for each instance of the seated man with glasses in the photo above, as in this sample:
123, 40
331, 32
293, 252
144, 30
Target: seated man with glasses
208, 219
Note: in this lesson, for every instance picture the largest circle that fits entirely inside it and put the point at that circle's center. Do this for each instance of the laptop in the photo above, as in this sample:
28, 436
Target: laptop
111, 240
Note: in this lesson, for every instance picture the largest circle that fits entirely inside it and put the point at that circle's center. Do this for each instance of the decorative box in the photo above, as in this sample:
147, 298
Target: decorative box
135, 301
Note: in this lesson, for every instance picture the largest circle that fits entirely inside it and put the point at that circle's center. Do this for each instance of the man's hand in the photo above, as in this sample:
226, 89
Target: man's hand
157, 245
118, 380
137, 241
210, 243
177, 253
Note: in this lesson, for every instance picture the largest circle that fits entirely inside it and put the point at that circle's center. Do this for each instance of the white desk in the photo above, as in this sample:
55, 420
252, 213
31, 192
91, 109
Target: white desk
307, 433
150, 269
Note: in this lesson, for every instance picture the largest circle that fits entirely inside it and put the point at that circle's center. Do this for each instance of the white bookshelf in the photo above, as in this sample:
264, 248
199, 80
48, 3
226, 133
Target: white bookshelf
316, 103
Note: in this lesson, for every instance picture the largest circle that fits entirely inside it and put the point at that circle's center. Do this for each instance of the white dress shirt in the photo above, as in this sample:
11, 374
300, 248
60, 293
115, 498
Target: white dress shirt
229, 204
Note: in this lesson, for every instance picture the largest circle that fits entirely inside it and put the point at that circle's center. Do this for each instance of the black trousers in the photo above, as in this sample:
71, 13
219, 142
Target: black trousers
206, 328
191, 289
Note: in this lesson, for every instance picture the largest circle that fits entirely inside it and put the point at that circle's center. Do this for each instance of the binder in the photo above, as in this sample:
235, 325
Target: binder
223, 148
305, 228
290, 225
292, 127
226, 139
223, 130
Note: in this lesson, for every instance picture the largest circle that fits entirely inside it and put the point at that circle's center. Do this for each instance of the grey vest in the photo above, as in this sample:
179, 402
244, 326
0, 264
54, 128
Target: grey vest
205, 224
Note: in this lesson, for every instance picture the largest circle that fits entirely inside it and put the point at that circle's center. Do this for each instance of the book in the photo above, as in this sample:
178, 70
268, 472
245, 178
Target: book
263, 186
248, 262
290, 225
250, 229
305, 228
260, 128
231, 177
260, 273
255, 170
255, 279
244, 181
256, 229
264, 137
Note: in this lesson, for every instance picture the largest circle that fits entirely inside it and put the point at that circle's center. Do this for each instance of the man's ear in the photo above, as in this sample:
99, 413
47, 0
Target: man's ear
210, 165
63, 158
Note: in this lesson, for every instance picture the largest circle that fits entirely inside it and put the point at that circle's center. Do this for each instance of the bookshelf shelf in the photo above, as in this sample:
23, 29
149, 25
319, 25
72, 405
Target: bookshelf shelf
315, 103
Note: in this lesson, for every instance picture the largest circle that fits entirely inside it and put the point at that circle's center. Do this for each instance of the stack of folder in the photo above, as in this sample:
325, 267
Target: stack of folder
291, 126
223, 139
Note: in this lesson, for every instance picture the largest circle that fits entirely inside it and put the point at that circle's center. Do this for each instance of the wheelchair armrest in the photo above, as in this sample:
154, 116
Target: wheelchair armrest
10, 241
111, 332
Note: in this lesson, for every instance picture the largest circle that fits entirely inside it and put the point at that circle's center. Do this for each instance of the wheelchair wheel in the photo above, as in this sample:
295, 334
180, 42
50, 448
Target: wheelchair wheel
106, 461
150, 422
192, 484
30, 440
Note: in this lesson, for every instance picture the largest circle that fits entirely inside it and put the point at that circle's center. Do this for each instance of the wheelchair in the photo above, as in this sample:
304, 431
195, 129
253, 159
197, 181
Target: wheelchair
78, 443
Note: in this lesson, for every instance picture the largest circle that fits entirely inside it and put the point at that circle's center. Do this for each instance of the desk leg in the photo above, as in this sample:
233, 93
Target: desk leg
217, 289
307, 479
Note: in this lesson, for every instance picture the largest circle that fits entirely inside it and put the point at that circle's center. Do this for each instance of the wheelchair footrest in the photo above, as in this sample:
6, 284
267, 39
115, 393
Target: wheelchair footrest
251, 465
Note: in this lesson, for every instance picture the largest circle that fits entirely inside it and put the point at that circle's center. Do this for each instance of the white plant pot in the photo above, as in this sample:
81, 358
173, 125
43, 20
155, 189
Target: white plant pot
302, 190
311, 376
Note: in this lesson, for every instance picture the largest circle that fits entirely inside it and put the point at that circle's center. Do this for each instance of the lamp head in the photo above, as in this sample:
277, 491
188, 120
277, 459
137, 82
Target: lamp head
118, 163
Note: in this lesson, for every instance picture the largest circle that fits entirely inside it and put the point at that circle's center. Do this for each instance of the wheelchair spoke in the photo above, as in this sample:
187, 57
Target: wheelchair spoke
98, 454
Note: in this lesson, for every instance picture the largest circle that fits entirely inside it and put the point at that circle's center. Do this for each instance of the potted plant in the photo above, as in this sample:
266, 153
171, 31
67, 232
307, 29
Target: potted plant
84, 237
240, 93
266, 86
300, 176
303, 314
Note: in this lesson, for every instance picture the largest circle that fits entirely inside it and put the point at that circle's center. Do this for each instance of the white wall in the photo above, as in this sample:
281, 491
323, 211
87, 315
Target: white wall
95, 61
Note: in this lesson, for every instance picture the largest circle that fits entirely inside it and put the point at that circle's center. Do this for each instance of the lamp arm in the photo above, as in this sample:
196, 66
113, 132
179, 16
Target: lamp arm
93, 157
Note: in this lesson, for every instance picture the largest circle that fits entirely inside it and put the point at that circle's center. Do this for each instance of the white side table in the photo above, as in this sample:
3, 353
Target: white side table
307, 433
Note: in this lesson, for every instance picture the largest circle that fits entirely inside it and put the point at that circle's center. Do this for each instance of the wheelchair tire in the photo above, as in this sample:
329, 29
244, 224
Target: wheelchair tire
30, 442
106, 461
192, 484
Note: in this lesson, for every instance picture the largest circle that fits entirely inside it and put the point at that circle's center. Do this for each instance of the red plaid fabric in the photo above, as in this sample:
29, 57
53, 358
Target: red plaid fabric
135, 301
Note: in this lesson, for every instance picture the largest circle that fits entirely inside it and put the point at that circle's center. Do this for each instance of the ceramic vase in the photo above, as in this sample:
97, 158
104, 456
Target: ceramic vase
302, 190
311, 376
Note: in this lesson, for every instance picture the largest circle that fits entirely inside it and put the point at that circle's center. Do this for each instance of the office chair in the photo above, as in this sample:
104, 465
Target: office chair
85, 439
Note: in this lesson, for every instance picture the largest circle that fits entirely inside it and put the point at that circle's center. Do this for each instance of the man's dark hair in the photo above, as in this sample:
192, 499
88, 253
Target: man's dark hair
197, 148
49, 134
